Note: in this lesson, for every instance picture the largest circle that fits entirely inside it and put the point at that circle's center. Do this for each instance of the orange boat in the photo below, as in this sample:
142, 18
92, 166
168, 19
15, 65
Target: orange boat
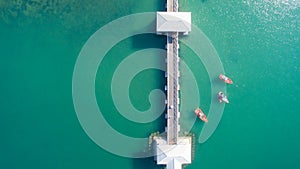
225, 79
201, 115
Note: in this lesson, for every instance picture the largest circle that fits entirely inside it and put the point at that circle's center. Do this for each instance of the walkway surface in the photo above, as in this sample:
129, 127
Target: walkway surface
173, 113
172, 5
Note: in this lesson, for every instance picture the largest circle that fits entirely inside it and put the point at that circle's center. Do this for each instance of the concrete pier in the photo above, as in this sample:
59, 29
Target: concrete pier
172, 150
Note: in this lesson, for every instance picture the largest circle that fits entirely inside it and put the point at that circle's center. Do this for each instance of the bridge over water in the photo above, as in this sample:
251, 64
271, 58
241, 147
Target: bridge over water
172, 150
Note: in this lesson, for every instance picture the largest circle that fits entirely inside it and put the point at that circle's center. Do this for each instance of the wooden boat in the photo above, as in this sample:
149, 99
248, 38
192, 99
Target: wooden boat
201, 115
225, 79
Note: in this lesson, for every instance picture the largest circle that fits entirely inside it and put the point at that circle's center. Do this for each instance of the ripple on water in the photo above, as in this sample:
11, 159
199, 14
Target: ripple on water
269, 10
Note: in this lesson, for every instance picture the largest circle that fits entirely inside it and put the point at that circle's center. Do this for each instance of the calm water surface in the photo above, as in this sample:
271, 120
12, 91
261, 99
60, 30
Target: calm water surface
258, 44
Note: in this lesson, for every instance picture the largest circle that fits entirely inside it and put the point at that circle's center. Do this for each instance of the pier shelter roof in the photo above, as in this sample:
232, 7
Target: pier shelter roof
173, 22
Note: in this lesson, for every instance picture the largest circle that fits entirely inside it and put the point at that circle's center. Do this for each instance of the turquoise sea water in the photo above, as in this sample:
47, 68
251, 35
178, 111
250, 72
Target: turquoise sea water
258, 44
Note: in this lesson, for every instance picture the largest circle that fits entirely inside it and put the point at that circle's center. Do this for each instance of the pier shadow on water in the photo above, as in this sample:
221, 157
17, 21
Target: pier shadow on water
148, 41
146, 163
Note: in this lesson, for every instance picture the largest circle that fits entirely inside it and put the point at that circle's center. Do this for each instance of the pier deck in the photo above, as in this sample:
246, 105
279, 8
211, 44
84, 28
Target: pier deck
172, 88
172, 150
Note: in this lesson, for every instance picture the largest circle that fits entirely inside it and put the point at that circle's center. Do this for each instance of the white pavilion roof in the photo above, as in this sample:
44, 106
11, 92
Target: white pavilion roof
174, 155
173, 21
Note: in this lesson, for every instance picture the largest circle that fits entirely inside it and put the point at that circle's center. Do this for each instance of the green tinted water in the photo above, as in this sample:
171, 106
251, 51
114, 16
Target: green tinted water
257, 41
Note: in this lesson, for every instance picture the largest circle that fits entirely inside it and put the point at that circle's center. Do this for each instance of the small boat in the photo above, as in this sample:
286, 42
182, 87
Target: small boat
225, 79
201, 115
222, 97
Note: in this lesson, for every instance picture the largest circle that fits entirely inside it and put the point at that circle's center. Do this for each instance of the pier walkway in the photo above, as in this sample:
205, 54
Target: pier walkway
172, 5
172, 150
173, 113
172, 73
